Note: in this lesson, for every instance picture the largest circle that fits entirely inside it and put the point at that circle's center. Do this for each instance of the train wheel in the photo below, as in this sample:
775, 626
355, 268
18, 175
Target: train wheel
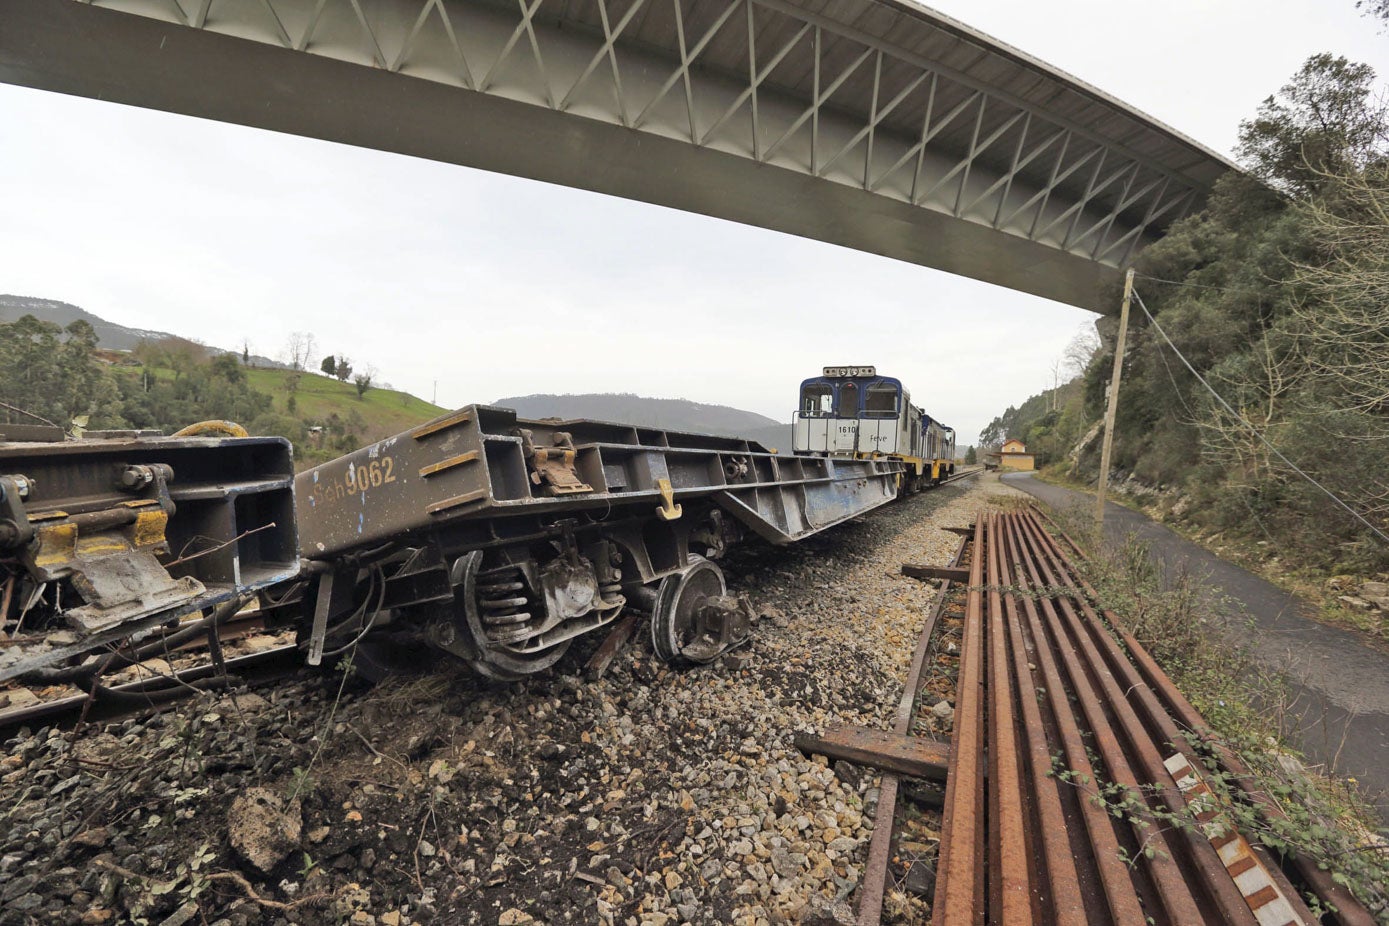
494, 604
674, 619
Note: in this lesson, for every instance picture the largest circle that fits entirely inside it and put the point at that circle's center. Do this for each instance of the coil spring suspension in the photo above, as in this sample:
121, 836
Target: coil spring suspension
503, 604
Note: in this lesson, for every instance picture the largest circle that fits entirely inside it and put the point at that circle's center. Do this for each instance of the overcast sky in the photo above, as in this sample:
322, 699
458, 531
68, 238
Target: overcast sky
494, 286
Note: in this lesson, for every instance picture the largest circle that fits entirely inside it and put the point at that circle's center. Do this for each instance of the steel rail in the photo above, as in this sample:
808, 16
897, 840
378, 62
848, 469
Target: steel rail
1184, 862
960, 896
1061, 902
1011, 871
1157, 720
1091, 808
133, 696
1098, 850
874, 883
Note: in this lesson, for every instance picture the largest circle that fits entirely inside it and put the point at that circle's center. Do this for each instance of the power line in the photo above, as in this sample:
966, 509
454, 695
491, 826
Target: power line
1222, 289
1253, 430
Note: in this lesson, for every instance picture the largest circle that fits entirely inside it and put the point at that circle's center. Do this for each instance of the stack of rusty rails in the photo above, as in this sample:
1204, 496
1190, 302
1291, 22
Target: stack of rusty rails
1231, 767
1074, 794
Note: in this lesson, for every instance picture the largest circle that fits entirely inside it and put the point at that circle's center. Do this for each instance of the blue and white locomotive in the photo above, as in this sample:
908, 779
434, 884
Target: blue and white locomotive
851, 411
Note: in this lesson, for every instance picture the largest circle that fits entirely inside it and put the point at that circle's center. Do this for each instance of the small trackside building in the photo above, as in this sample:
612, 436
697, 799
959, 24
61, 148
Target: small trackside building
1014, 456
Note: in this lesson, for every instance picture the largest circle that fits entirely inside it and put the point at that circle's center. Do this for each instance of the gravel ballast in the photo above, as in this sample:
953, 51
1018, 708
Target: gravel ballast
654, 796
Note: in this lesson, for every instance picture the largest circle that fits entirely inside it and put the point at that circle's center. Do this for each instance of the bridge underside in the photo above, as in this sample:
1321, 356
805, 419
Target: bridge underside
865, 123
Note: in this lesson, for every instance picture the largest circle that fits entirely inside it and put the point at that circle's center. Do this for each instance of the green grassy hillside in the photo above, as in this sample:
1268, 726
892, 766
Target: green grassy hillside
383, 411
322, 417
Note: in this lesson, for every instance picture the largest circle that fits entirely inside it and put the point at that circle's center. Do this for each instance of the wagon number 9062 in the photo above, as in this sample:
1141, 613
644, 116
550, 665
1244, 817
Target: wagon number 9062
356, 479
370, 475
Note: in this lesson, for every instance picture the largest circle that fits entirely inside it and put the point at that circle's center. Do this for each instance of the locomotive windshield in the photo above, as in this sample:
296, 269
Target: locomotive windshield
817, 399
880, 401
848, 400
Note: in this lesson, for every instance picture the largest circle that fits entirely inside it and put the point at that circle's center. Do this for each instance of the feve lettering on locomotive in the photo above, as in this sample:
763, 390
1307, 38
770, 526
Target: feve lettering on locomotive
851, 411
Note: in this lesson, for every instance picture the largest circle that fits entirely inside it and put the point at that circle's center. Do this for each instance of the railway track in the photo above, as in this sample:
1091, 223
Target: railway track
964, 474
160, 677
1077, 777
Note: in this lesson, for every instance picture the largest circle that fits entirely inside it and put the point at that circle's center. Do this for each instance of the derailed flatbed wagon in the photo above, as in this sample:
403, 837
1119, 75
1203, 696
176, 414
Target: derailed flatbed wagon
118, 534
500, 540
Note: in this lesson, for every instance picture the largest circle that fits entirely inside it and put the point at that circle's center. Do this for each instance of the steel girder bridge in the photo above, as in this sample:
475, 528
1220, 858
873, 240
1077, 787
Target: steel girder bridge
873, 124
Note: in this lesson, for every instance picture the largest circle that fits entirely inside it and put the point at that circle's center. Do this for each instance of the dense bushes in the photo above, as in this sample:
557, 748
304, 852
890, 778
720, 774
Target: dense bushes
1278, 299
58, 375
1278, 294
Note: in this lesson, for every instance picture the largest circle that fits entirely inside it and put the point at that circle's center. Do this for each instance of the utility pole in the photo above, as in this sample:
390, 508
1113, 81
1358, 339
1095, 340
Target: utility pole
1113, 407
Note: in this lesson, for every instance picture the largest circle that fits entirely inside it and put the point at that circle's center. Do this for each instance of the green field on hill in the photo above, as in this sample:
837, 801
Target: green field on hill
384, 411
321, 416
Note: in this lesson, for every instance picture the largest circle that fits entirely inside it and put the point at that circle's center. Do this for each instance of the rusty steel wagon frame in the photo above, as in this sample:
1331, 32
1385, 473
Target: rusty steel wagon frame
109, 537
501, 540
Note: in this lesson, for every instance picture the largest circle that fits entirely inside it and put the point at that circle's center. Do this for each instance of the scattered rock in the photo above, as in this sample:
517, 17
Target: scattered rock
821, 911
249, 702
1377, 593
921, 879
17, 698
737, 660
777, 616
93, 838
182, 915
263, 827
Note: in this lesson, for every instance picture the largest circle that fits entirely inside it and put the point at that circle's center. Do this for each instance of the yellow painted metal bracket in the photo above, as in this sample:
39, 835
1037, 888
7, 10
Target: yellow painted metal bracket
668, 510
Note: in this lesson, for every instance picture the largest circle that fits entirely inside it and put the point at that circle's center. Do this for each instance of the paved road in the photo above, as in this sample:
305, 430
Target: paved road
1341, 708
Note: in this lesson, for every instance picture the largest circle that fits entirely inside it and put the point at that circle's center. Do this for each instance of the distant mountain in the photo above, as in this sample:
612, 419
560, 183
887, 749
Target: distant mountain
669, 414
109, 334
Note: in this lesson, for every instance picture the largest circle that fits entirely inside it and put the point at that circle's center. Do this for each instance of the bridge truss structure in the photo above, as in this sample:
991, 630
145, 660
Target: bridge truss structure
874, 124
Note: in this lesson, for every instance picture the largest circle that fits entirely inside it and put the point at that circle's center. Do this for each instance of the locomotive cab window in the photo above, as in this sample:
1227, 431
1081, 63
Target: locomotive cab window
817, 399
880, 401
848, 400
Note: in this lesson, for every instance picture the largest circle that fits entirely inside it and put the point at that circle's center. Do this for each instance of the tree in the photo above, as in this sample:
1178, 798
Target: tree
1322, 123
329, 366
298, 349
49, 374
1375, 9
1342, 326
363, 380
971, 455
245, 352
1281, 284
344, 369
1081, 350
291, 388
178, 354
